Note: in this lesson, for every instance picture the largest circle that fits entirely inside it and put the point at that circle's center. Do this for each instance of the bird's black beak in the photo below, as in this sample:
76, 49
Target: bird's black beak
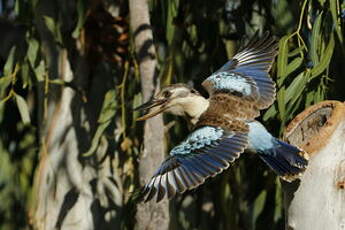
153, 103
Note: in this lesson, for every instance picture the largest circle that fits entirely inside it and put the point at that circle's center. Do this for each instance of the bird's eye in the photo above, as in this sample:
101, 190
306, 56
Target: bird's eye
193, 91
166, 94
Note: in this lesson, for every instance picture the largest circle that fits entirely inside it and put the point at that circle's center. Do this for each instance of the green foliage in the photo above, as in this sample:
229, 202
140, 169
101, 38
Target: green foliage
23, 109
192, 39
106, 115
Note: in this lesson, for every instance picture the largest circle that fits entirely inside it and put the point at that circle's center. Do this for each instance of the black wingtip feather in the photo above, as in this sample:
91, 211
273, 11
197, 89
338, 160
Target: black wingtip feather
171, 186
150, 194
180, 187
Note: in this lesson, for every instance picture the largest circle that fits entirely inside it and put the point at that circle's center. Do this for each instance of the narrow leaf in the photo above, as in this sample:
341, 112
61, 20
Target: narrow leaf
108, 108
315, 40
32, 52
107, 113
270, 113
296, 51
50, 23
81, 18
296, 87
96, 138
10, 62
39, 71
294, 65
25, 74
23, 109
325, 59
259, 204
293, 106
54, 28
5, 82
282, 59
309, 99
336, 19
281, 103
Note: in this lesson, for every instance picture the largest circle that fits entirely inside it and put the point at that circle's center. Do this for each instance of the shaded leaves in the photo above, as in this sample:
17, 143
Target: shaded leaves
23, 109
106, 115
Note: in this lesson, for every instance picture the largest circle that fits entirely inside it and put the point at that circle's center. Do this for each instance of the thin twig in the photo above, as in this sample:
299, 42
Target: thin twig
123, 107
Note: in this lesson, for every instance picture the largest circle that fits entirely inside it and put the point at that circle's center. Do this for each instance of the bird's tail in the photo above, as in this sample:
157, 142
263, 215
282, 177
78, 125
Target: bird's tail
288, 161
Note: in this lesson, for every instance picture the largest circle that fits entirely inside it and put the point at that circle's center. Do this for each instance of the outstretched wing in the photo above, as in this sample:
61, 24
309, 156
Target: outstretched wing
206, 152
246, 74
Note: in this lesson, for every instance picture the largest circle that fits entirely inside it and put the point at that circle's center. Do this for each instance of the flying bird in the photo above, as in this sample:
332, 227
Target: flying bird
224, 124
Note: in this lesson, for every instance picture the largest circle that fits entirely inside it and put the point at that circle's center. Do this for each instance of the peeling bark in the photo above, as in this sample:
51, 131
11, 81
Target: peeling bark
149, 215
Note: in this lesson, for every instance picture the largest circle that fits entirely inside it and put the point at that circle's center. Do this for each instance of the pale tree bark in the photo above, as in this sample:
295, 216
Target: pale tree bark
318, 201
149, 215
71, 191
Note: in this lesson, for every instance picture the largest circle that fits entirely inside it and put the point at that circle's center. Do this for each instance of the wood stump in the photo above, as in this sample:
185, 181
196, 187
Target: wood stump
317, 201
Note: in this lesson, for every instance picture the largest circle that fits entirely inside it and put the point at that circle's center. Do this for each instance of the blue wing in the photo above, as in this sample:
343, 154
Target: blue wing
206, 152
246, 74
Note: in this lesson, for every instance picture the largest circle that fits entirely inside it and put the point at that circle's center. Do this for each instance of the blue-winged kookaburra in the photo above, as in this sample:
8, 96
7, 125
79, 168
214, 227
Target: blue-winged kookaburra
224, 124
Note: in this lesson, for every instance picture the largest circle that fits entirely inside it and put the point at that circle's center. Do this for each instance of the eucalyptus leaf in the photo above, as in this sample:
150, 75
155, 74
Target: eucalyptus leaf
281, 103
296, 51
325, 59
54, 27
270, 113
170, 26
309, 98
315, 40
296, 87
293, 107
4, 83
96, 138
293, 65
50, 23
32, 51
9, 65
81, 18
278, 201
107, 113
336, 20
40, 71
282, 59
108, 108
322, 2
25, 74
259, 204
23, 109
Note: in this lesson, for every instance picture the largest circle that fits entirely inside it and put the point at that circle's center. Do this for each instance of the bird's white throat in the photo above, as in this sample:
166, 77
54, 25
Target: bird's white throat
192, 107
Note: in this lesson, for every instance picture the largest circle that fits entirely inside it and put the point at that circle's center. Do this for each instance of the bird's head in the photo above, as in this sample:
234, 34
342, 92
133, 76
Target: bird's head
177, 99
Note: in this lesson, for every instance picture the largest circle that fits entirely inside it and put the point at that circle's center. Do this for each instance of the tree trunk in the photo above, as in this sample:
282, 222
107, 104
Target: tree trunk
318, 200
149, 215
70, 190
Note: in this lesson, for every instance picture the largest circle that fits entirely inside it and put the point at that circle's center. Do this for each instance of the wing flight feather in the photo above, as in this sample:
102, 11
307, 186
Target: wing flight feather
206, 152
246, 74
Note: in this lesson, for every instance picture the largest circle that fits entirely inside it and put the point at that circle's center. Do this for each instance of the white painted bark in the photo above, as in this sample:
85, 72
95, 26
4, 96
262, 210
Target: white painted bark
150, 215
318, 201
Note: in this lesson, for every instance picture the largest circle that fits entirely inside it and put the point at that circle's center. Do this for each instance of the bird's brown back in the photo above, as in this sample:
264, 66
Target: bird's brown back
229, 111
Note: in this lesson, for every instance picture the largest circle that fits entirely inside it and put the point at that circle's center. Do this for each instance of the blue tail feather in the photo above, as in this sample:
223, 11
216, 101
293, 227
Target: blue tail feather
286, 160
